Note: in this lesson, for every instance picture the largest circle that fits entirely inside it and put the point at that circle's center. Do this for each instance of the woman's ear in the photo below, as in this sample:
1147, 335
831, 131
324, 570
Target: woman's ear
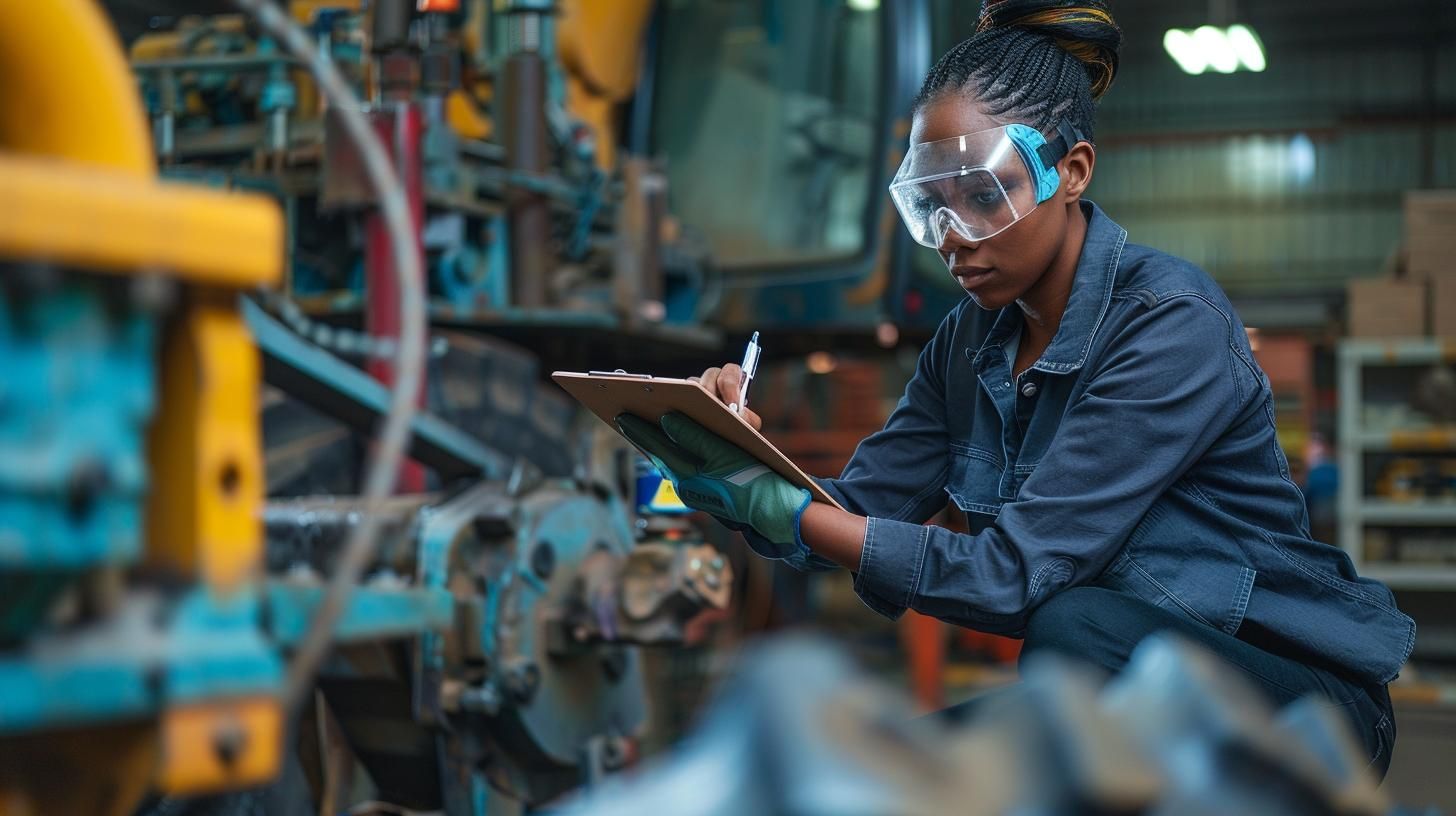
1076, 169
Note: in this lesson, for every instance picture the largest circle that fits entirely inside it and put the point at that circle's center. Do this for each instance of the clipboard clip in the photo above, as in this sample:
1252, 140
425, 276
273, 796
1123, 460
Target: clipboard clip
620, 373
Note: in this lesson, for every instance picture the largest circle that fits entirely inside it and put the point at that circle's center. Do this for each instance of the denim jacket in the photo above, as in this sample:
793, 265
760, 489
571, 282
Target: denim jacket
1138, 453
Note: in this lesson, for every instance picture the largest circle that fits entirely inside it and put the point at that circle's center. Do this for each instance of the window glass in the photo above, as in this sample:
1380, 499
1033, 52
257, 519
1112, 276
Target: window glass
766, 111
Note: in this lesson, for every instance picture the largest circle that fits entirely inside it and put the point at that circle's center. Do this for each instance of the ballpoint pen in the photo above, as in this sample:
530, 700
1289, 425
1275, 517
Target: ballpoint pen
750, 368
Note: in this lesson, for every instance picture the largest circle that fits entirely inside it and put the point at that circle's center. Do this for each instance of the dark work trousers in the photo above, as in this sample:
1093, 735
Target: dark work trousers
1101, 626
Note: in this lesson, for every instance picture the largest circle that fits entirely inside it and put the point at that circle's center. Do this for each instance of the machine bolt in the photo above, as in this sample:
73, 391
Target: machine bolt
616, 753
86, 480
543, 560
484, 698
522, 679
153, 291
228, 742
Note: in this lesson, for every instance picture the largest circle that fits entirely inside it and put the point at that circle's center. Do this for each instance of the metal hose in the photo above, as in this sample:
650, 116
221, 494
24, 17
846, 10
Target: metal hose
388, 453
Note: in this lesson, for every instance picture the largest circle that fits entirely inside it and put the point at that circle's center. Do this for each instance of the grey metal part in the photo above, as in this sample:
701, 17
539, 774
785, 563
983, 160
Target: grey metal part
595, 692
328, 384
310, 531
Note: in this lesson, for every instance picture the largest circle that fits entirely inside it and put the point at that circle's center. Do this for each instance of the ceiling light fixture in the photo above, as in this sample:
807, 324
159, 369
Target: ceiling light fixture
1180, 46
1246, 45
1210, 48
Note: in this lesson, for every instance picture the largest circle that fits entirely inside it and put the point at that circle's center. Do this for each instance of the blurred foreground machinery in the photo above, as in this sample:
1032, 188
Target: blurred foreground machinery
152, 597
132, 650
797, 731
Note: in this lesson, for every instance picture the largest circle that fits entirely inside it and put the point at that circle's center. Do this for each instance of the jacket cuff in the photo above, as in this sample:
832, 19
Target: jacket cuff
889, 565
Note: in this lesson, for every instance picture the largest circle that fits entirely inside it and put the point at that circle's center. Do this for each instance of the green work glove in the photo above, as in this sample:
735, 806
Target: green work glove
717, 477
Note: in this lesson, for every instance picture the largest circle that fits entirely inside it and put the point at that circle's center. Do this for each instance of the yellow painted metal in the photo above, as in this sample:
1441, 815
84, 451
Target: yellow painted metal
600, 43
204, 516
190, 37
156, 45
600, 46
68, 91
107, 220
78, 189
304, 11
465, 117
104, 771
220, 745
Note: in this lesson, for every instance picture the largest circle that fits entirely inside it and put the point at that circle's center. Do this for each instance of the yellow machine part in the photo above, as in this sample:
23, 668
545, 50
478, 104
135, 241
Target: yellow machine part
600, 42
156, 45
600, 46
68, 91
78, 189
167, 44
111, 221
204, 447
220, 746
466, 118
304, 11
467, 108
102, 771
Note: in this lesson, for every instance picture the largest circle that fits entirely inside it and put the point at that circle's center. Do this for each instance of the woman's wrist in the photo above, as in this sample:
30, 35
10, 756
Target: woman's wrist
833, 533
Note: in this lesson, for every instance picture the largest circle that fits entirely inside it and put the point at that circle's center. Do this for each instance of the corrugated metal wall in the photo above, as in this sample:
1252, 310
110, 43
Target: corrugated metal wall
1290, 180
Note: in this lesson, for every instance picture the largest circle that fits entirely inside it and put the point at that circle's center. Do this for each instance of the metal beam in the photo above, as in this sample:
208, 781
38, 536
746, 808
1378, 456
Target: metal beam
332, 386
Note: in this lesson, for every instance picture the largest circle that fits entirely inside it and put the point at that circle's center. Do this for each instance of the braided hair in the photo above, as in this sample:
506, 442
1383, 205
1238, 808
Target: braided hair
1033, 61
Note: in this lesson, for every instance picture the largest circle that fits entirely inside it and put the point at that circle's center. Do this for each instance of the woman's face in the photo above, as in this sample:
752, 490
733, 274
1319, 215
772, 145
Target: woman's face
1000, 270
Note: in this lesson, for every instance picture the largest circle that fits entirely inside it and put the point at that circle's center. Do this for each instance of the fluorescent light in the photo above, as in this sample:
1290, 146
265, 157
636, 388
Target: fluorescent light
1180, 46
1246, 46
1209, 48
1216, 49
864, 5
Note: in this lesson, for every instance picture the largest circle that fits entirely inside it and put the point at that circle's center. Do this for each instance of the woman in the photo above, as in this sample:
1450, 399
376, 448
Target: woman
1093, 407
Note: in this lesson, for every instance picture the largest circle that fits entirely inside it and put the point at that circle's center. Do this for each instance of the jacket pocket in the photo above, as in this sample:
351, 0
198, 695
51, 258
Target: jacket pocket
1216, 595
974, 480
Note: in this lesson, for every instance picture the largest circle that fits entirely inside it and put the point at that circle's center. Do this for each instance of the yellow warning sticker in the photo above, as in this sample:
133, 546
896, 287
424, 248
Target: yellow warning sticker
666, 496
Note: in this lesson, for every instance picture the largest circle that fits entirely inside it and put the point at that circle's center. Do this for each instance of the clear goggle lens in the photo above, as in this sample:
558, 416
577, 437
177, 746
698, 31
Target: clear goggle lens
975, 185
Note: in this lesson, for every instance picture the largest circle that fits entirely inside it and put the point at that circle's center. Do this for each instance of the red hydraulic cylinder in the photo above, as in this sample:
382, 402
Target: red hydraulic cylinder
401, 128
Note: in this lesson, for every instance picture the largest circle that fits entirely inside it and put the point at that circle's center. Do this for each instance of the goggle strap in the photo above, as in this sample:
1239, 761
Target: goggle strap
1067, 137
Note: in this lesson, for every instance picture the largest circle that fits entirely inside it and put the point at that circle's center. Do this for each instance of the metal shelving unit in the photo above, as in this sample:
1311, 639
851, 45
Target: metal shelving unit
1357, 512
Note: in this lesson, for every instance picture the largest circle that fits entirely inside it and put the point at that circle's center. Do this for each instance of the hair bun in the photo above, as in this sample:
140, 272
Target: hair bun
1083, 28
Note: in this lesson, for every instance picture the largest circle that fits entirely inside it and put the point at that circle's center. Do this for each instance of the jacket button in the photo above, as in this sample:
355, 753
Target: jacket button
1028, 389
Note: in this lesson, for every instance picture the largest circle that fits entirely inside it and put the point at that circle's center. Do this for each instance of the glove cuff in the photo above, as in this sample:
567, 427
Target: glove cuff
796, 553
799, 544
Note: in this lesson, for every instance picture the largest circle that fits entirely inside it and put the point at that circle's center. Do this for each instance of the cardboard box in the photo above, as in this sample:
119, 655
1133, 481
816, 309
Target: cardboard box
1430, 233
1443, 306
1386, 307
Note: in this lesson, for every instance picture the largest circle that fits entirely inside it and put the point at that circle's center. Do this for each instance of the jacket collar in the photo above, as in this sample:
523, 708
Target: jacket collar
1086, 305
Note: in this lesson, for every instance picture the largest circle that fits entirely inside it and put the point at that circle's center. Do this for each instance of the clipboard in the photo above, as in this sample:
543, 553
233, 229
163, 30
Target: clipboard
609, 393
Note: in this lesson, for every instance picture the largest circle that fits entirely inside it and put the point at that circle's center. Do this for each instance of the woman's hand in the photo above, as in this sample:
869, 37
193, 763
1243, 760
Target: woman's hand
726, 384
714, 475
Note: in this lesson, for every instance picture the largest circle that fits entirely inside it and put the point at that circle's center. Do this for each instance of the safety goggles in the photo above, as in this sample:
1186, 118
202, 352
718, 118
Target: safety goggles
978, 184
